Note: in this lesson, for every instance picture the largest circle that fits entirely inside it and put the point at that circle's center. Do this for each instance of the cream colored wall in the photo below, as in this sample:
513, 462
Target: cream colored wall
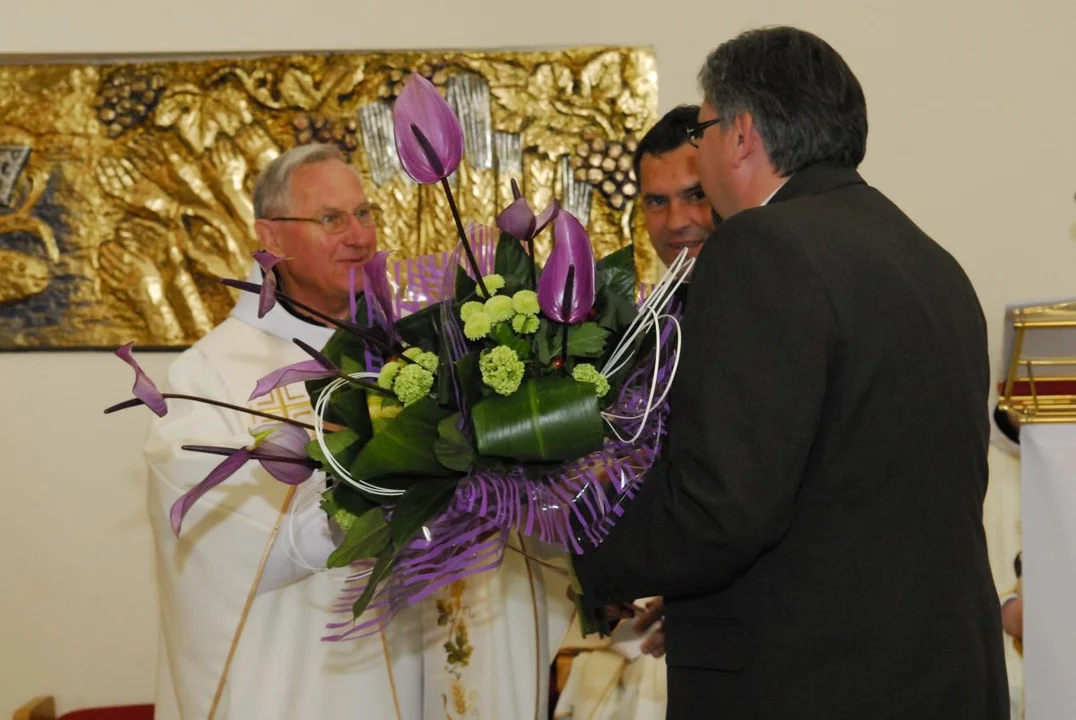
971, 104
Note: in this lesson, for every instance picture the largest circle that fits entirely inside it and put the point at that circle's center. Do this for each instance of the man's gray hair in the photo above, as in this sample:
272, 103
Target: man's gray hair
272, 189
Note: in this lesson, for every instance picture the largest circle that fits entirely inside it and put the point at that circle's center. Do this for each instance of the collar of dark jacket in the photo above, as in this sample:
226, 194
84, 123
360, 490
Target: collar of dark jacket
817, 178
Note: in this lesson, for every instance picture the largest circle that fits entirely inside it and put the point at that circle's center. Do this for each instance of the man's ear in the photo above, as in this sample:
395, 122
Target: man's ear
268, 237
748, 141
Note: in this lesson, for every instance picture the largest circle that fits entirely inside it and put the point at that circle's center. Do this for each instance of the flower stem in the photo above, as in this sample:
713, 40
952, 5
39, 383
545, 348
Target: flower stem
254, 455
534, 267
133, 402
463, 238
359, 332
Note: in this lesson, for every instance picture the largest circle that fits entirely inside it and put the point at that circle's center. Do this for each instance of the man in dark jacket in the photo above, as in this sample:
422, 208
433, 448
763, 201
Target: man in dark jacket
815, 522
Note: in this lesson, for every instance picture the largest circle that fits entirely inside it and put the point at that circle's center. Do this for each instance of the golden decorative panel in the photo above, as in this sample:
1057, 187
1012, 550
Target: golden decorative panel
125, 188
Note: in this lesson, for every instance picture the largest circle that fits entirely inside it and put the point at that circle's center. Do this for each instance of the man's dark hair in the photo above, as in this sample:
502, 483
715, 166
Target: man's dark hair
669, 133
805, 101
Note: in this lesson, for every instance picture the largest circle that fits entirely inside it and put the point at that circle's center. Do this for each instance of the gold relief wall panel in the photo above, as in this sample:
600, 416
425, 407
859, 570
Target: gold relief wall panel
125, 188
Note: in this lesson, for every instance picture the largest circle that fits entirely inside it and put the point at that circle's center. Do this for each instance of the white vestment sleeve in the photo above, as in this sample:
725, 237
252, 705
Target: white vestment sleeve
304, 542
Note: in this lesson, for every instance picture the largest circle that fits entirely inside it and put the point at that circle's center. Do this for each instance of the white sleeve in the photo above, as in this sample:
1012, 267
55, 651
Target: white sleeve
304, 542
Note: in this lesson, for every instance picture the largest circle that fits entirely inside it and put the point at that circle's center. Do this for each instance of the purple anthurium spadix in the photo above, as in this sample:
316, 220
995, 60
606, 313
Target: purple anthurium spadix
267, 296
571, 249
144, 389
281, 450
421, 114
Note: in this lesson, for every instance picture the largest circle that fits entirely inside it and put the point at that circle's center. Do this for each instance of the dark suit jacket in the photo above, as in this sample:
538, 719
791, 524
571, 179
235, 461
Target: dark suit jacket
815, 523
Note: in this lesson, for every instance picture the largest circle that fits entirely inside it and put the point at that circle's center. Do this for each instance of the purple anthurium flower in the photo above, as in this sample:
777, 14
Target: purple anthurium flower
317, 369
144, 389
519, 221
281, 449
571, 249
375, 283
422, 117
267, 296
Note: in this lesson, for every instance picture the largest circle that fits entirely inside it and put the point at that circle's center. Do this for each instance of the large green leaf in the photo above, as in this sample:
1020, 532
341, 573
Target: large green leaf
616, 272
347, 496
404, 447
452, 448
341, 444
366, 538
584, 340
382, 568
547, 419
466, 287
417, 506
513, 264
419, 329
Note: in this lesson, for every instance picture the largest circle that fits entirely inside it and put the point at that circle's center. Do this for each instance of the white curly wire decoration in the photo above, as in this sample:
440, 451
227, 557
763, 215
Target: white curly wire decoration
319, 435
650, 319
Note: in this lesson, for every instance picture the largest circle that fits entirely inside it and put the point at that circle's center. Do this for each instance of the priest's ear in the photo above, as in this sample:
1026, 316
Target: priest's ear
268, 236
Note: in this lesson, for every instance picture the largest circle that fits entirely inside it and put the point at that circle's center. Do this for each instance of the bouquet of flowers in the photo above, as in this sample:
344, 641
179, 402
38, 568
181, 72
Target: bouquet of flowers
472, 393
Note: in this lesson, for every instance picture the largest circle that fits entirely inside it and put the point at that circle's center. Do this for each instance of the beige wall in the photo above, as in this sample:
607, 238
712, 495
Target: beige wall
972, 109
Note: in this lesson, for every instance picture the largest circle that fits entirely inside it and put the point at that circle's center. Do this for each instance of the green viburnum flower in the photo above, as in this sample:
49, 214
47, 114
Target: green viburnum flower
387, 376
412, 384
477, 327
525, 302
499, 308
344, 518
469, 309
589, 374
525, 324
428, 360
501, 369
494, 282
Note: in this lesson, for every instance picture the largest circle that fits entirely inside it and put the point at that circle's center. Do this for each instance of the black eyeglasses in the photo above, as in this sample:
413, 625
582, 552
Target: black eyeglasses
336, 221
694, 133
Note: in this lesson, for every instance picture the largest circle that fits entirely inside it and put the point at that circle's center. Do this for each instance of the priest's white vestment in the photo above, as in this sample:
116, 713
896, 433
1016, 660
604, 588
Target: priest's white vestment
281, 667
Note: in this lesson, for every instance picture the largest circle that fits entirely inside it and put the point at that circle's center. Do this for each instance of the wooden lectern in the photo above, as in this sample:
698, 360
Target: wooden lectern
1040, 389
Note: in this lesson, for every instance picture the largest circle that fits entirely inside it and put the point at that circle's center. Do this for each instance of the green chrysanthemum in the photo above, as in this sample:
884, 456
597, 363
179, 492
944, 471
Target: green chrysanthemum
387, 376
477, 327
469, 309
525, 324
344, 518
589, 374
499, 308
413, 382
525, 302
501, 369
428, 360
493, 282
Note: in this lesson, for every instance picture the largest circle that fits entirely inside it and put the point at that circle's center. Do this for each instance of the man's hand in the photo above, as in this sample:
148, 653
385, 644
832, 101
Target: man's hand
1012, 617
653, 617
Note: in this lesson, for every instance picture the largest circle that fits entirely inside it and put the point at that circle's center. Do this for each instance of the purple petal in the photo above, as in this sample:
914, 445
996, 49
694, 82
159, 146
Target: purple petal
267, 294
287, 441
375, 283
299, 372
144, 389
571, 248
219, 474
517, 220
550, 212
267, 260
420, 104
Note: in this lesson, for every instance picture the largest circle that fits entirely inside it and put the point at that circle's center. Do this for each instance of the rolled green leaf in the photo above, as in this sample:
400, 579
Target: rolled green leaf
547, 419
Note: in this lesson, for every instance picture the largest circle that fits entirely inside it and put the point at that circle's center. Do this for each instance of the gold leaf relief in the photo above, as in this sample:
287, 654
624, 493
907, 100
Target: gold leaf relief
144, 170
